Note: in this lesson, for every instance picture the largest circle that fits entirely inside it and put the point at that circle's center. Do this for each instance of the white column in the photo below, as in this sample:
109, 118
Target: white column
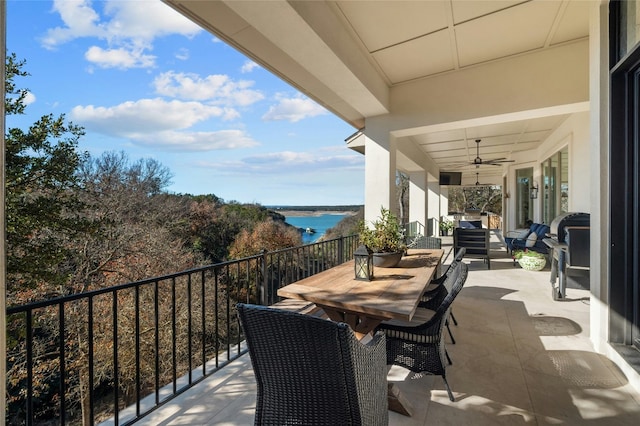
444, 201
599, 178
434, 212
418, 202
379, 175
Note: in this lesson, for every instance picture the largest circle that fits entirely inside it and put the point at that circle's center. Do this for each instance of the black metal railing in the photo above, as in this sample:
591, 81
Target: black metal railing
121, 352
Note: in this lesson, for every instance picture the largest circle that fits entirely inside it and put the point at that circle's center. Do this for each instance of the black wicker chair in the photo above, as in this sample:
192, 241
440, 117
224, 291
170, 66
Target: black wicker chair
419, 346
435, 286
436, 291
312, 371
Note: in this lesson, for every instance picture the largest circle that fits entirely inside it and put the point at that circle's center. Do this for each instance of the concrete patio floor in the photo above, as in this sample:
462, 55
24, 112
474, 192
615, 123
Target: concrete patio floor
520, 358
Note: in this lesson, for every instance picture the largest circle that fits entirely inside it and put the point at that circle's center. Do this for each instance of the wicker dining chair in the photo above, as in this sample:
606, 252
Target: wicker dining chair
435, 285
436, 291
312, 371
420, 346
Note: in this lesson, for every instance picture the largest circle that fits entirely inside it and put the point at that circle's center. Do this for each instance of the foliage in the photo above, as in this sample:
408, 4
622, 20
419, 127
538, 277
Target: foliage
215, 225
386, 236
446, 225
269, 235
14, 97
483, 198
348, 225
518, 254
43, 210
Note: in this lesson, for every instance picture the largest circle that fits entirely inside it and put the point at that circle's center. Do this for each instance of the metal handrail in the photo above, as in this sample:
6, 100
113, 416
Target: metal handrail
141, 344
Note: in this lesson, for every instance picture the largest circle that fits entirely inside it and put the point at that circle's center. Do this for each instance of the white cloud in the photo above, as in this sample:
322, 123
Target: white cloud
182, 54
248, 66
146, 20
29, 98
196, 141
293, 109
126, 26
119, 58
291, 163
146, 115
161, 124
80, 21
212, 88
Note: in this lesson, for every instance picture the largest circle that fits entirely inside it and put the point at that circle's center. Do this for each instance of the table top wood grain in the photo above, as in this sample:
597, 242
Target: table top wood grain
394, 292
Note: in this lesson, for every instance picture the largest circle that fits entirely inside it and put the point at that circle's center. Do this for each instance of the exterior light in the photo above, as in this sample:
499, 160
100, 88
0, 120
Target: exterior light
363, 260
533, 191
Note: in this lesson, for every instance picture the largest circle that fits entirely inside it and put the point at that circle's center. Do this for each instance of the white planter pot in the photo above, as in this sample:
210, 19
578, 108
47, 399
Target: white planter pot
532, 263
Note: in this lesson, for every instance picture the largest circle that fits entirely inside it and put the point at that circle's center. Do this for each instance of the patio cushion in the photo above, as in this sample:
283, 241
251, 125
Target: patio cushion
531, 239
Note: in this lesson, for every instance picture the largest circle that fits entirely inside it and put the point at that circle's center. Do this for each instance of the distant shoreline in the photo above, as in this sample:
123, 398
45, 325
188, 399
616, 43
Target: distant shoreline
307, 213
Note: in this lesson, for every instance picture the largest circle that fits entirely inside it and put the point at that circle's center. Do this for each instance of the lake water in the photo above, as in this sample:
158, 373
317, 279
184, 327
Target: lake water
320, 223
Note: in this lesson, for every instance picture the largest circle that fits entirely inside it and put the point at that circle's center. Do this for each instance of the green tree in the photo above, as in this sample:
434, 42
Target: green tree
41, 202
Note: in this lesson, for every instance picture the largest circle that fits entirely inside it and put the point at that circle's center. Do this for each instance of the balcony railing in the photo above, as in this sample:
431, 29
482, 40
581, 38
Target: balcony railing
83, 358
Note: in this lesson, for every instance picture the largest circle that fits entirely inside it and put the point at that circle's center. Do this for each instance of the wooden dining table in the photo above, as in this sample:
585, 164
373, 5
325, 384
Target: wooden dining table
394, 293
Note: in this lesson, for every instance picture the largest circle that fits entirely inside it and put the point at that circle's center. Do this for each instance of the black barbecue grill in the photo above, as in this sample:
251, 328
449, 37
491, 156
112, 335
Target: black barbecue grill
568, 242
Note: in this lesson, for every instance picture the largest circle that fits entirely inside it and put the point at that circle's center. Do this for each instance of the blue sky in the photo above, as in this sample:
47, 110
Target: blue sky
142, 79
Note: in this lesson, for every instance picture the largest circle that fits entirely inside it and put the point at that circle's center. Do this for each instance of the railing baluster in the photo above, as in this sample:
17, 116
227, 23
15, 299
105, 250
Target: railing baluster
137, 343
228, 303
203, 326
29, 407
63, 372
90, 353
156, 325
216, 314
189, 318
116, 383
174, 355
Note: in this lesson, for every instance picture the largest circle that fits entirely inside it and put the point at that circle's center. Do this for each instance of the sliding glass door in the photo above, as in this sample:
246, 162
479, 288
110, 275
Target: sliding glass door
524, 208
624, 204
555, 185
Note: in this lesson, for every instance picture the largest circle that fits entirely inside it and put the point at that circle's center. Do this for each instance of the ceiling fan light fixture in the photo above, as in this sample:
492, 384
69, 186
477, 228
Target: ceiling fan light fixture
493, 162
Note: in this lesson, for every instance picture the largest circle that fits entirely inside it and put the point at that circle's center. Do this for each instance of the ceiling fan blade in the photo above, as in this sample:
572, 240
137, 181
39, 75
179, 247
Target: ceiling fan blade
500, 160
454, 166
493, 162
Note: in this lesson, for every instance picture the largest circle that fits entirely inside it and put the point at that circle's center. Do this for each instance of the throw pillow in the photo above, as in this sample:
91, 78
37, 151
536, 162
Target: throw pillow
531, 240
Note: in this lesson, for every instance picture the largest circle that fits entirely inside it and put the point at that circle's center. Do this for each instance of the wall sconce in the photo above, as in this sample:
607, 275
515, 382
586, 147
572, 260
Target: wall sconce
363, 260
533, 191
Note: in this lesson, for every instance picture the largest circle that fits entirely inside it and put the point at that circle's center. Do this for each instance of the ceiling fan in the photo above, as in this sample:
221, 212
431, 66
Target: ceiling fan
478, 181
480, 162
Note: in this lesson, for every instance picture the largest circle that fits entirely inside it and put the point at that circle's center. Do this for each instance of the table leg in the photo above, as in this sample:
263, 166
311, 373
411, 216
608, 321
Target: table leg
397, 401
360, 324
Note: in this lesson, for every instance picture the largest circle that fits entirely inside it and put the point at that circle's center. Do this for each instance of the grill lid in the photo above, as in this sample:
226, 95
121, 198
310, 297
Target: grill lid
567, 219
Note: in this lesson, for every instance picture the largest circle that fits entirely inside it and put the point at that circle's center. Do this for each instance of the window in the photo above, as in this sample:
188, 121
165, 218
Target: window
524, 210
555, 185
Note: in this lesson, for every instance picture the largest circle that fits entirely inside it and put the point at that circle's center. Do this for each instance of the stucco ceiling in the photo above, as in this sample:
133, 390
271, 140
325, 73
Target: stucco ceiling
351, 55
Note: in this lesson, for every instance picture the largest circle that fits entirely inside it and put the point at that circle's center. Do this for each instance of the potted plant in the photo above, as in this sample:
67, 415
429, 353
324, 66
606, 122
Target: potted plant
385, 239
445, 227
530, 260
